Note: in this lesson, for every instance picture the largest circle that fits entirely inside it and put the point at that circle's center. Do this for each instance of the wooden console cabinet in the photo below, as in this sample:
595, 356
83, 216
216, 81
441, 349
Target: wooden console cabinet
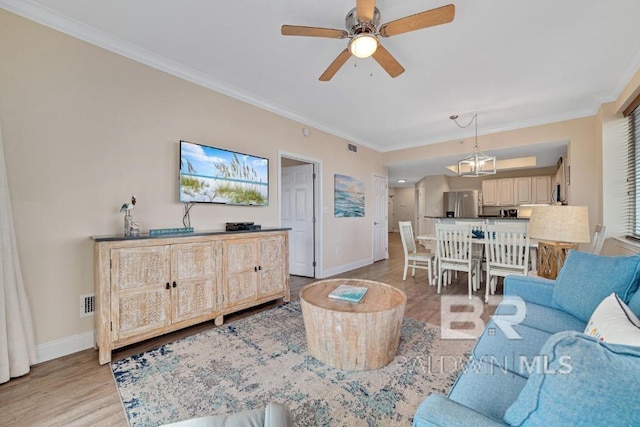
147, 286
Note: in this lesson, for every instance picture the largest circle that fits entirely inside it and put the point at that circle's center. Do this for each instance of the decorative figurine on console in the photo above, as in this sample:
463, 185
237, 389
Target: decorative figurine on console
131, 228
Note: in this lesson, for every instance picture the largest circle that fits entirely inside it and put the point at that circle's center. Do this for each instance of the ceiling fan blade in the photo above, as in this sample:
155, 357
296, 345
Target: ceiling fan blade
335, 66
387, 61
364, 9
428, 18
296, 30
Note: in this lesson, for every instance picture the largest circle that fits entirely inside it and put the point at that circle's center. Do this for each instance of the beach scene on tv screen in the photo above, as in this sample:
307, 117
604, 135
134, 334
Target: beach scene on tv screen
214, 175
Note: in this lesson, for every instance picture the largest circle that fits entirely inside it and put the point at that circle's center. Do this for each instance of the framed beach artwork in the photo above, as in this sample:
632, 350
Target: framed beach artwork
348, 197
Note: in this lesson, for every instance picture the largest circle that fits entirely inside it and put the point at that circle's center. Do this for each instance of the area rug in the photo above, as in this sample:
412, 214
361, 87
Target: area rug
263, 358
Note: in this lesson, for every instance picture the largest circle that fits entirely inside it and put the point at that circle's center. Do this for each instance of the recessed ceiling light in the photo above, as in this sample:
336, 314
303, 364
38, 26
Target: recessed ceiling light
402, 180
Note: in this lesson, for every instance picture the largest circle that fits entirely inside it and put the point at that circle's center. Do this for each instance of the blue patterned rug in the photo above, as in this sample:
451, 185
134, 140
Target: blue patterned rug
250, 362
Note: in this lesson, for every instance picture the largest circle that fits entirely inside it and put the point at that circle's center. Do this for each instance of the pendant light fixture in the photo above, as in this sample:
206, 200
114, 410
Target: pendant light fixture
478, 163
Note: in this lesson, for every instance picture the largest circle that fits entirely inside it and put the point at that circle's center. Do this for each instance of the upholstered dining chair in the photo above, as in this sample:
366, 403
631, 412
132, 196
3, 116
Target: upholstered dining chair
455, 253
507, 249
411, 255
597, 240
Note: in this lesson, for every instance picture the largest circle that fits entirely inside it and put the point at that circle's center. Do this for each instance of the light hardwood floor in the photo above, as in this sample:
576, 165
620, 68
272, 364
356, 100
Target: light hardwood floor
76, 390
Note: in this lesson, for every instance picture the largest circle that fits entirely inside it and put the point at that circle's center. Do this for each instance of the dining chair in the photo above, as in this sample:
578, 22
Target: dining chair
597, 240
477, 232
507, 247
411, 254
455, 253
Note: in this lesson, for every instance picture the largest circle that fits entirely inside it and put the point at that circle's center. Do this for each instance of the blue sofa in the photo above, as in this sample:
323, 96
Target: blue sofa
555, 374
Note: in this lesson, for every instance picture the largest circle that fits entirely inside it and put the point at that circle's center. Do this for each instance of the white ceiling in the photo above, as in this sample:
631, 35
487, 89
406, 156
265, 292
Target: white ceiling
517, 63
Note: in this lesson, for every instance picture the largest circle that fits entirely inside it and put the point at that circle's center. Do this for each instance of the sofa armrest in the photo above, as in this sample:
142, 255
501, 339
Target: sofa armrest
277, 415
536, 290
437, 410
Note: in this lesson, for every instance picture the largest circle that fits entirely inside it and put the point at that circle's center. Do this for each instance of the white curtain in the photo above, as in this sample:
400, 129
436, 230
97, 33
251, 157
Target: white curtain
17, 349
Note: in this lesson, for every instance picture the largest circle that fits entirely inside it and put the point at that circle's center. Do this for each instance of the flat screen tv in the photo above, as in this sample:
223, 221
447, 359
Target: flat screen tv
215, 175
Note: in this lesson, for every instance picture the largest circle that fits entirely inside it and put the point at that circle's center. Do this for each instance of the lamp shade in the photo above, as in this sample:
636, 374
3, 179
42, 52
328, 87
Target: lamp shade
560, 224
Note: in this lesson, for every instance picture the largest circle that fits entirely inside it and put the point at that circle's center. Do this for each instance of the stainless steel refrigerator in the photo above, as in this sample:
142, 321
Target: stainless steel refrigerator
461, 204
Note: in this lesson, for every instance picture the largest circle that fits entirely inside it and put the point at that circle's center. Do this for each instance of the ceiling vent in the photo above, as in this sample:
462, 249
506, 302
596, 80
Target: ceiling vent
352, 147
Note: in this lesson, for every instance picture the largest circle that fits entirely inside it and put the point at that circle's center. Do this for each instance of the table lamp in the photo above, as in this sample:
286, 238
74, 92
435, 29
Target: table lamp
558, 229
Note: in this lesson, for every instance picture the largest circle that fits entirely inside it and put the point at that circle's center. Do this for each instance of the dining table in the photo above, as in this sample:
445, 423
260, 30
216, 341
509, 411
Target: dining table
533, 246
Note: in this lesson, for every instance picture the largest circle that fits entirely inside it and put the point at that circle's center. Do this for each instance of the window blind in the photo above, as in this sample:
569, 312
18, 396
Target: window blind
632, 208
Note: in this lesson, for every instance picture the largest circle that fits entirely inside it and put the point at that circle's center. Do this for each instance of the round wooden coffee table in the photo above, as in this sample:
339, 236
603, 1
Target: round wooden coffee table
353, 336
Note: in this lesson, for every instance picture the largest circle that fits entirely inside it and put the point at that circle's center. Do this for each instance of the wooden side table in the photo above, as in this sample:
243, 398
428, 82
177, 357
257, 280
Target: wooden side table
353, 336
551, 256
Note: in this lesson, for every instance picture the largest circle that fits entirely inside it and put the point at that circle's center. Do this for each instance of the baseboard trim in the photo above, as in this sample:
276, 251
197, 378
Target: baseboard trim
64, 346
346, 267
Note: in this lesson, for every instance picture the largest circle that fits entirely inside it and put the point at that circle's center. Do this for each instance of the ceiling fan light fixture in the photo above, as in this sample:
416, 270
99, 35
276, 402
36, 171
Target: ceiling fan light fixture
363, 45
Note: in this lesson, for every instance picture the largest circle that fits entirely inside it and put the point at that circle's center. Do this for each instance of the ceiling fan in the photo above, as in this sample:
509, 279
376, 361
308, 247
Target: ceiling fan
362, 23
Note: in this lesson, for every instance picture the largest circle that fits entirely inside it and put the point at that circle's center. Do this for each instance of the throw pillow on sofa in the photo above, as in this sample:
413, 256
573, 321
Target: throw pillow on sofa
614, 323
582, 382
634, 303
585, 280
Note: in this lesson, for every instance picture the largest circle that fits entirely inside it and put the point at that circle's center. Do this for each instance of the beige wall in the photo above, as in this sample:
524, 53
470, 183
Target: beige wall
84, 128
404, 205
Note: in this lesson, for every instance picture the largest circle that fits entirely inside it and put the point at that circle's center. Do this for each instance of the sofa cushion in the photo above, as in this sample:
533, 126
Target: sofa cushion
584, 383
585, 280
515, 355
436, 410
486, 388
544, 318
614, 323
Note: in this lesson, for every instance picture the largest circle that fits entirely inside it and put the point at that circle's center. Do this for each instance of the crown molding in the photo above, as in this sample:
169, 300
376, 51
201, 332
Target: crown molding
76, 29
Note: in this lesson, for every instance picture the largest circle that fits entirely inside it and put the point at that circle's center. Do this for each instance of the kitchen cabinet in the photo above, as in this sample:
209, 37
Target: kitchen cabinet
490, 192
505, 192
522, 187
147, 286
516, 191
541, 189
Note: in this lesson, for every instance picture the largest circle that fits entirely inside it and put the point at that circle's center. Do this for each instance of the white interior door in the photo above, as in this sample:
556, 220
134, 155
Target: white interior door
297, 213
380, 201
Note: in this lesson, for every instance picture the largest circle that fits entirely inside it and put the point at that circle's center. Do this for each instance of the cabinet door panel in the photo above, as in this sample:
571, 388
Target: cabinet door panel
522, 190
490, 192
193, 265
272, 281
140, 301
240, 271
272, 253
505, 192
542, 189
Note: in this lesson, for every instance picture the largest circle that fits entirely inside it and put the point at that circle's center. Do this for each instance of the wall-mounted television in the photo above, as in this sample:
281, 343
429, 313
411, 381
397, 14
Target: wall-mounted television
216, 175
